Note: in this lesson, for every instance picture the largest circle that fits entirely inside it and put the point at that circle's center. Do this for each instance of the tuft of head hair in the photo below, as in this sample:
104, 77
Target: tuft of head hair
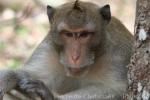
77, 6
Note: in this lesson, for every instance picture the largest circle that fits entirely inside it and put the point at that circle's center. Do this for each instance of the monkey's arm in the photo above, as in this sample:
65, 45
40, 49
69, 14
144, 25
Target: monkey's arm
8, 81
21, 81
91, 93
36, 87
88, 93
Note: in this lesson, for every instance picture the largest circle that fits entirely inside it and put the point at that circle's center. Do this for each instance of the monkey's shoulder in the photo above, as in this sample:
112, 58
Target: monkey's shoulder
118, 34
116, 28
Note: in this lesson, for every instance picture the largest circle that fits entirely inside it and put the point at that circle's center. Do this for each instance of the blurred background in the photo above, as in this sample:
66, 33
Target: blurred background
24, 23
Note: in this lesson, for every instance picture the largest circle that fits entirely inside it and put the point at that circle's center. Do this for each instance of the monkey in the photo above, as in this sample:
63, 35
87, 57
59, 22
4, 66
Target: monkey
83, 57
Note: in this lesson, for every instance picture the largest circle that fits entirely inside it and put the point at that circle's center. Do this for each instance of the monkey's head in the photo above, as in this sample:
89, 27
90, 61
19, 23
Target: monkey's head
77, 30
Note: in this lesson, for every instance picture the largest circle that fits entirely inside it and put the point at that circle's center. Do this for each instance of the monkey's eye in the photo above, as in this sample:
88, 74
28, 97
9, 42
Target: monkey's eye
86, 34
68, 34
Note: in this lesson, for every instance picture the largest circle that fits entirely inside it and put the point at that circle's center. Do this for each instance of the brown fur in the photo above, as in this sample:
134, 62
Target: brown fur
108, 73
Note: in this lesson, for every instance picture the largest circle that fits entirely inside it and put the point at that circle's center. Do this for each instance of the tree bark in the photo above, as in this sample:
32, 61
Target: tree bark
139, 67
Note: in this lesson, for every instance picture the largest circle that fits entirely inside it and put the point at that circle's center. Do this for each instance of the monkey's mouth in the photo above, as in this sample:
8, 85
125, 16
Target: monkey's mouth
75, 71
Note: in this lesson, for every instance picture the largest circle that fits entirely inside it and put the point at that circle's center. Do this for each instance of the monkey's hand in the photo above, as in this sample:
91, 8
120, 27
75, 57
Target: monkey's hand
1, 95
8, 81
36, 87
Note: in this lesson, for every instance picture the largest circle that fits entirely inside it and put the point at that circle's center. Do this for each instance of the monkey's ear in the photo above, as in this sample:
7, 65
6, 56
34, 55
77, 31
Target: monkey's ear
105, 12
50, 12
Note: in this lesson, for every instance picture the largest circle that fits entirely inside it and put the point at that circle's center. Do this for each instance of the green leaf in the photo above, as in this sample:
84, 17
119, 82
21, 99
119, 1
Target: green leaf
22, 31
2, 46
14, 63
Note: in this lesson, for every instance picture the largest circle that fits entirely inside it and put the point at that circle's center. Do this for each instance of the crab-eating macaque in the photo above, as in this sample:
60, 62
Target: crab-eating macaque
83, 57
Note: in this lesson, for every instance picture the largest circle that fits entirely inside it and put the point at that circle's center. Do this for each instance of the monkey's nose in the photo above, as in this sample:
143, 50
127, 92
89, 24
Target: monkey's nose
75, 58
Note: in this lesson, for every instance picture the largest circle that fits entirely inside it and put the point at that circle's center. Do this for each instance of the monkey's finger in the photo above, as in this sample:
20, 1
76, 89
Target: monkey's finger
38, 89
31, 86
24, 82
28, 86
34, 82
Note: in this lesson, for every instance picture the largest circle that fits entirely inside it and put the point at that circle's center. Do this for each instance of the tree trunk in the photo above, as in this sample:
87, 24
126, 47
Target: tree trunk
139, 67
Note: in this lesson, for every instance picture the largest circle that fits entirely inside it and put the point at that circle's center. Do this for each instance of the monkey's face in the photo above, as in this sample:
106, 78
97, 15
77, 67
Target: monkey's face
76, 55
78, 29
